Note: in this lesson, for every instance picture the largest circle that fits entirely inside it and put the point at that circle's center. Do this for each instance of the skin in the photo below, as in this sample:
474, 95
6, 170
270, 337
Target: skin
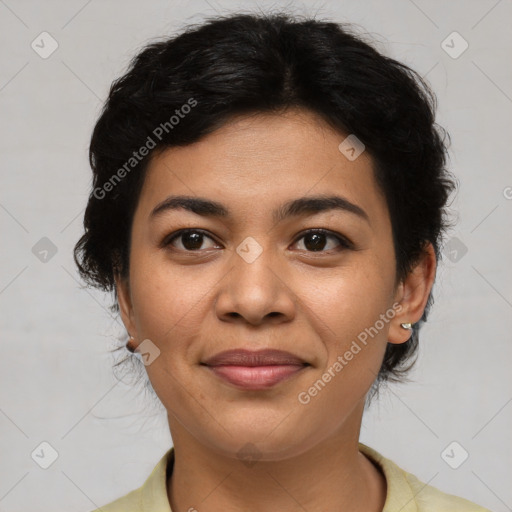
195, 303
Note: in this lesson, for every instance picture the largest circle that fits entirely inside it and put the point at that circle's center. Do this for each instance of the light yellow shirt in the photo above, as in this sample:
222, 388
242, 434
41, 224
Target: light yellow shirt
405, 493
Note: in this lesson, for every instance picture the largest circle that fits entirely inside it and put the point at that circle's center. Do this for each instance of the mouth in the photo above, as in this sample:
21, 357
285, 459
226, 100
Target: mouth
255, 370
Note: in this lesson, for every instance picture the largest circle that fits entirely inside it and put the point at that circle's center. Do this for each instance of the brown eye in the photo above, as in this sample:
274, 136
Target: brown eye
315, 240
191, 240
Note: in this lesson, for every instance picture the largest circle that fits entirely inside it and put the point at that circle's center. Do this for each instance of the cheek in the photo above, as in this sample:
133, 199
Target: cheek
352, 299
166, 298
348, 311
354, 313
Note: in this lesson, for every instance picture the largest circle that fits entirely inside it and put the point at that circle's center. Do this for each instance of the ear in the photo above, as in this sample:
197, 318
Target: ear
412, 294
125, 304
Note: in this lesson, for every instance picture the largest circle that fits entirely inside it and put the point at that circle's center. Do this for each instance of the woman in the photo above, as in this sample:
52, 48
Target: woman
268, 205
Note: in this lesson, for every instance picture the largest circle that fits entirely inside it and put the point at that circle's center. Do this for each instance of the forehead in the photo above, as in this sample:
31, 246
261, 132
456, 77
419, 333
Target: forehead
254, 163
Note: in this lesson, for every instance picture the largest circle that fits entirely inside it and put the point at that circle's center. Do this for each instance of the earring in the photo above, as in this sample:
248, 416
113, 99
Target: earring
129, 346
406, 325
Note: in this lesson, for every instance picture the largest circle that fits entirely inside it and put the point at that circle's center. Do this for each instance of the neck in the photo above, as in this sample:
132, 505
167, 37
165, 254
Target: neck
332, 475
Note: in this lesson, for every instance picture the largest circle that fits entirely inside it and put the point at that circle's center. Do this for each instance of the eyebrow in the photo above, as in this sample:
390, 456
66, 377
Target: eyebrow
296, 207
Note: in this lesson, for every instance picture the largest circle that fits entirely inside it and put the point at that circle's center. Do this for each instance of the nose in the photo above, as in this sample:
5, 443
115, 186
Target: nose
256, 291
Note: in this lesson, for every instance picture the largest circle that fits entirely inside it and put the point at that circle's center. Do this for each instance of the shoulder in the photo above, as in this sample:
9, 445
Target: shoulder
131, 502
407, 493
431, 499
151, 496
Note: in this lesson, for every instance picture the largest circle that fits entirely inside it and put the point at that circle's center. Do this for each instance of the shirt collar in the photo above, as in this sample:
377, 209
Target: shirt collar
399, 496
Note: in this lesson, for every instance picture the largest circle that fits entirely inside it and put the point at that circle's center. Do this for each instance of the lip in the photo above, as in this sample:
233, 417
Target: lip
254, 370
243, 357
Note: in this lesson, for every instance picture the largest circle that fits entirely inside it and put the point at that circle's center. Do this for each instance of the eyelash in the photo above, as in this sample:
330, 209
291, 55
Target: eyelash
344, 242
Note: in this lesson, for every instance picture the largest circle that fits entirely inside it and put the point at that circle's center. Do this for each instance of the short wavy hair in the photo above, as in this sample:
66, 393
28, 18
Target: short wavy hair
250, 63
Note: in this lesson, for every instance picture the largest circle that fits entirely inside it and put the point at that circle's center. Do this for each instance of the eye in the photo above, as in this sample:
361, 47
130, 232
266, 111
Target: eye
191, 239
315, 240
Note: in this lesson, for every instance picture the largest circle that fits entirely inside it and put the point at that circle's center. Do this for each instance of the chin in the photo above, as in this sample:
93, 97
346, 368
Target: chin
248, 450
260, 440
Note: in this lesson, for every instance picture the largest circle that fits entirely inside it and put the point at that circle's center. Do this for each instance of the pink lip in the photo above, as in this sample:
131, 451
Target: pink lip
256, 377
242, 357
254, 370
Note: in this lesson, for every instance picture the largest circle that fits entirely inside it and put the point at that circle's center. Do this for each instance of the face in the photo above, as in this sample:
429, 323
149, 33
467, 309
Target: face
316, 280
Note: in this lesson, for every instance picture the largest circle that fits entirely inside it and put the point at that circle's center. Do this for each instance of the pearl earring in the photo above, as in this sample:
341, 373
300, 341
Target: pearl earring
406, 325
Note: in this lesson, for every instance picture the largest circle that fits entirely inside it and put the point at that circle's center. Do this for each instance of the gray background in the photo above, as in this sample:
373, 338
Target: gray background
57, 382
